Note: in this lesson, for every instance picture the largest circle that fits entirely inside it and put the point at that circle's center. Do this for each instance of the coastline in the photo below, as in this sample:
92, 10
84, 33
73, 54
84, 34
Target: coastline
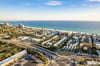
60, 30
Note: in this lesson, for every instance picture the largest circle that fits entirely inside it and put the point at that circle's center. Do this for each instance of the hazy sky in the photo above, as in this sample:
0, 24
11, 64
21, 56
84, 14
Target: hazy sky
50, 10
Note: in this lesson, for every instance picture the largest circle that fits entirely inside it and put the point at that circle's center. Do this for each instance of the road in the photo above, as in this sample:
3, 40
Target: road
45, 50
48, 53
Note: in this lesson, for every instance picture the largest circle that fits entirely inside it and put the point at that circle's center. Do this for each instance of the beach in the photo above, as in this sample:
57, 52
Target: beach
74, 26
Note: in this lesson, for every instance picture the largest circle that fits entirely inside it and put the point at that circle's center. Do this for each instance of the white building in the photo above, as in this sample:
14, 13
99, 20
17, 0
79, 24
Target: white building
94, 63
4, 24
23, 38
97, 44
21, 26
13, 58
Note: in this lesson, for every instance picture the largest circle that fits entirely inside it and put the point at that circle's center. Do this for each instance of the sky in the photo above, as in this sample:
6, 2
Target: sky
84, 10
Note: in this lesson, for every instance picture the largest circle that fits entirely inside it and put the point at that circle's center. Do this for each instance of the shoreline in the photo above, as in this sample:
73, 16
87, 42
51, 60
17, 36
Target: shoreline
58, 29
61, 30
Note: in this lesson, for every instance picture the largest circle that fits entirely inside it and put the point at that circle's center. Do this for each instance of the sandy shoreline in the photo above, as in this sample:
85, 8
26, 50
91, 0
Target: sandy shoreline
58, 30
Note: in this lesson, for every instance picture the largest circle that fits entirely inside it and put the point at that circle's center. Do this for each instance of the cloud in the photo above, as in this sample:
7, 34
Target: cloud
91, 5
94, 0
54, 3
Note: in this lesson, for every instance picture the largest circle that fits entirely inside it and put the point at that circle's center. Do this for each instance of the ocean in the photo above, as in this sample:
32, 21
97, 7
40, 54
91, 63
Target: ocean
76, 26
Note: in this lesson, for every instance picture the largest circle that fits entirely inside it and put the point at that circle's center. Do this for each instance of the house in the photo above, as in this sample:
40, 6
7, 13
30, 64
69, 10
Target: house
97, 44
20, 25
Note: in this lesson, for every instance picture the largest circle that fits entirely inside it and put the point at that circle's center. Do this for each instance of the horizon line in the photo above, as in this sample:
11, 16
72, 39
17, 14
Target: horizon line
50, 20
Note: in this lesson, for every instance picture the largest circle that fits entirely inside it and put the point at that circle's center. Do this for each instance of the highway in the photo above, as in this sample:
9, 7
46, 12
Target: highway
45, 50
49, 54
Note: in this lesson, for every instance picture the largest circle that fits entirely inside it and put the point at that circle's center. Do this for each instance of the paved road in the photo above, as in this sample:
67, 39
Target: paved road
60, 61
45, 50
48, 52
27, 61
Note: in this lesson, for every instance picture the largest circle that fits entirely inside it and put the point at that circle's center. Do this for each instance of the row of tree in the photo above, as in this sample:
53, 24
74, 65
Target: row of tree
39, 55
7, 50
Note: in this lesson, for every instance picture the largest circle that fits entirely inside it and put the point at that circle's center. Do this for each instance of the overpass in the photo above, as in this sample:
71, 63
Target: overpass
47, 52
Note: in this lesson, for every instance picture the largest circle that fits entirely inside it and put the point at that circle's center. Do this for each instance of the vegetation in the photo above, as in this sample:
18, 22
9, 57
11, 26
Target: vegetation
82, 61
77, 49
7, 50
39, 55
15, 32
93, 49
53, 48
